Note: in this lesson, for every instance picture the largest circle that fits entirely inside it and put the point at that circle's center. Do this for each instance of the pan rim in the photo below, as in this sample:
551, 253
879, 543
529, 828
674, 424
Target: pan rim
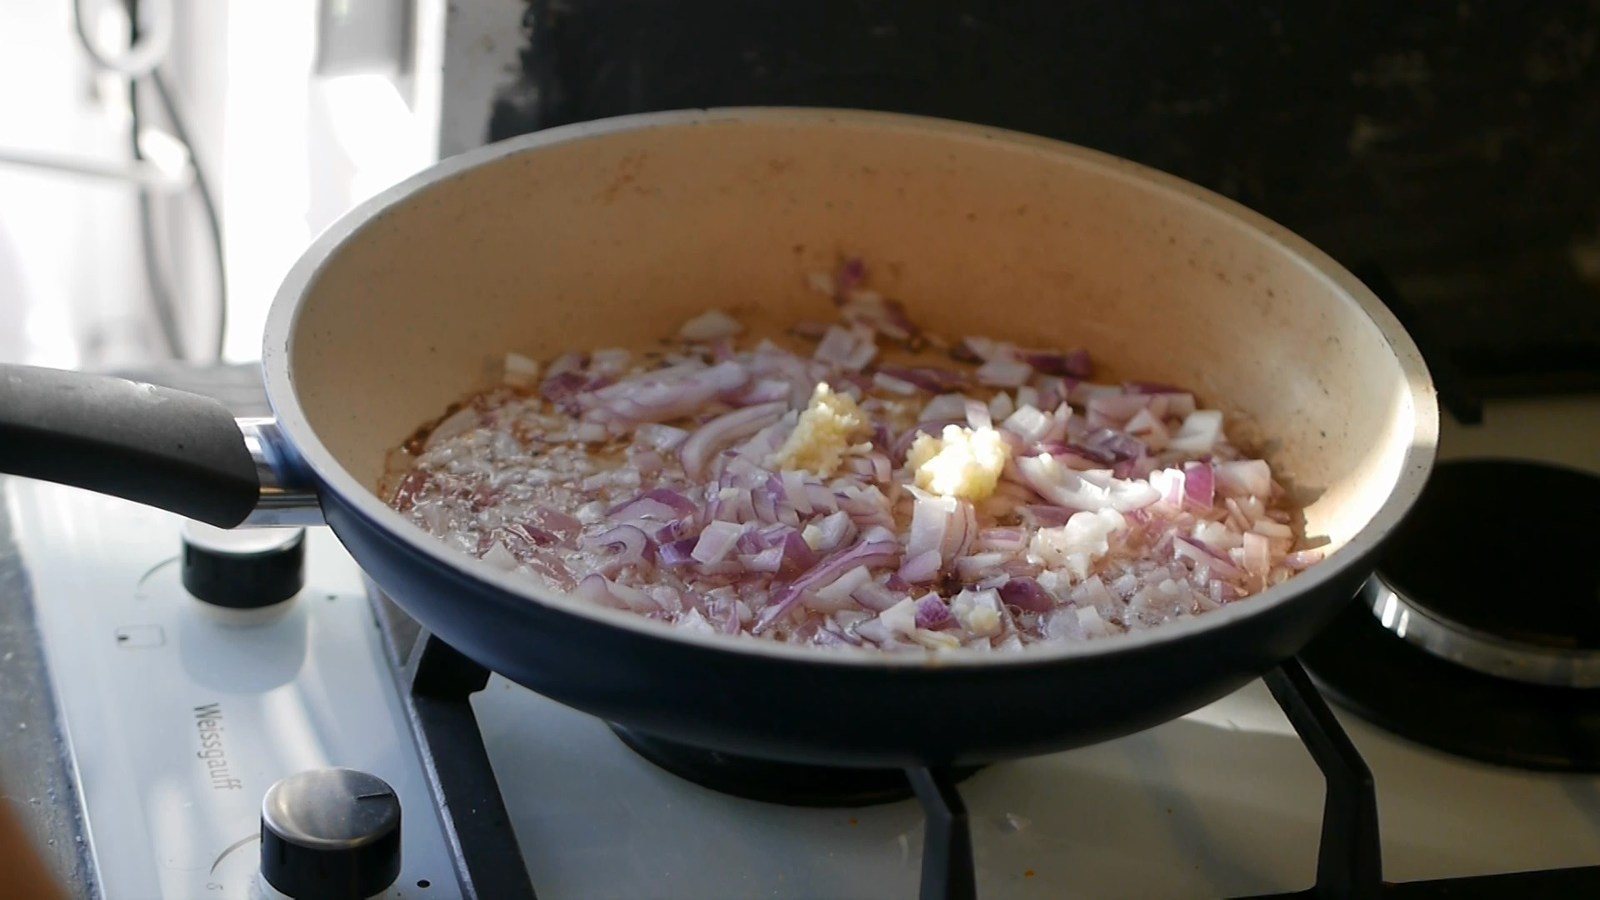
283, 318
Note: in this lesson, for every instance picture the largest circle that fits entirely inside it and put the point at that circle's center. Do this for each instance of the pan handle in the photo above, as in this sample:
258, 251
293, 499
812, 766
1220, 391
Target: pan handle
178, 451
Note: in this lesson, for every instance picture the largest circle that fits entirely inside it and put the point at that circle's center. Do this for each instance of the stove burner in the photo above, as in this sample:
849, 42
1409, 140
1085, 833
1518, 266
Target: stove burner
790, 784
1480, 633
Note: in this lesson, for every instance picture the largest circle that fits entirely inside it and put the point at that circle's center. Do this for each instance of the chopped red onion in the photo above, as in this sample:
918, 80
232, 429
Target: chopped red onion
1127, 511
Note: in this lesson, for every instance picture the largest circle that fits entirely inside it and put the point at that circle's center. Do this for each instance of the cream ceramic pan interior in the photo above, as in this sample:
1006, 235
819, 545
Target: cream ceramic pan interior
614, 233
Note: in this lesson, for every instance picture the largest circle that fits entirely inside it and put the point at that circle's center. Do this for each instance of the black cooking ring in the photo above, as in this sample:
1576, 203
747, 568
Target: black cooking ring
769, 781
1404, 689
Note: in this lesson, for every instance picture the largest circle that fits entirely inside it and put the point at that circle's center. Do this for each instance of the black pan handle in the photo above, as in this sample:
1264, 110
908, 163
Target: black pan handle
178, 451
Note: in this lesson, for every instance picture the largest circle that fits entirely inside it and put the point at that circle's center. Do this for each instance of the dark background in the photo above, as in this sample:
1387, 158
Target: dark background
1456, 146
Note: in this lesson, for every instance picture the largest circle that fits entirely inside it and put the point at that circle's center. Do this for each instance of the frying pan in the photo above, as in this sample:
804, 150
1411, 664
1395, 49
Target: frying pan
615, 232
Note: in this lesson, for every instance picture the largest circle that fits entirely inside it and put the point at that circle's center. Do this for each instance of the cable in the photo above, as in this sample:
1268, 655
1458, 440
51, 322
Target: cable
208, 205
145, 54
160, 292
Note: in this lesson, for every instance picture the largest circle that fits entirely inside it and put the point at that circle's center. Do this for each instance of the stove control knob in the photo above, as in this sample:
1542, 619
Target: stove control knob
331, 834
250, 568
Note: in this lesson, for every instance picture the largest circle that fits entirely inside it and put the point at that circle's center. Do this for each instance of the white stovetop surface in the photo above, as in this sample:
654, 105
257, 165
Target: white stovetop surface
1221, 803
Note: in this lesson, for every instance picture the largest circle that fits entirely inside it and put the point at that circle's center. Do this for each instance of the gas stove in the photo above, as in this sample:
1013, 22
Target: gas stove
158, 723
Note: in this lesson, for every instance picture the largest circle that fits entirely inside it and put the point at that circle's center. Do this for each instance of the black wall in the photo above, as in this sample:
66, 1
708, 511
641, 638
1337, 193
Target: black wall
1456, 145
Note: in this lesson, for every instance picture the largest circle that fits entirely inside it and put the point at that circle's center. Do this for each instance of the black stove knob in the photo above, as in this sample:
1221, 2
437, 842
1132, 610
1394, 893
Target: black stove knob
243, 569
330, 834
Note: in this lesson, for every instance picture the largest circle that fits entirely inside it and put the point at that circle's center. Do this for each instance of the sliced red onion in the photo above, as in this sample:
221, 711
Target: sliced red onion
1199, 484
1004, 373
1052, 391
797, 555
664, 438
931, 519
1075, 364
562, 388
893, 385
843, 586
716, 541
457, 423
1244, 477
539, 521
708, 439
977, 415
876, 597
1301, 560
836, 632
1092, 490
764, 507
642, 509
848, 348
1205, 556
1170, 484
1029, 424
566, 362
1199, 433
866, 553
1270, 529
710, 326
944, 408
921, 568
765, 390
1112, 445
626, 542
1037, 516
933, 614
1026, 593
832, 531
928, 378
633, 598
976, 349
820, 497
849, 276
794, 491
877, 632
962, 532
596, 589
1001, 539
1114, 409
1256, 556
663, 394
976, 566
768, 560
1092, 592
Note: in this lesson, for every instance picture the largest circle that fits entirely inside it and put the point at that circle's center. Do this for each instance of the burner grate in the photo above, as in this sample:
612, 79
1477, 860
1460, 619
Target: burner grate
439, 683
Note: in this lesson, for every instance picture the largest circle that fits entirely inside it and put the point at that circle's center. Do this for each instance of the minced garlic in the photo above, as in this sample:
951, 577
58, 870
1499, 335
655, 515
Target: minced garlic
962, 462
825, 431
